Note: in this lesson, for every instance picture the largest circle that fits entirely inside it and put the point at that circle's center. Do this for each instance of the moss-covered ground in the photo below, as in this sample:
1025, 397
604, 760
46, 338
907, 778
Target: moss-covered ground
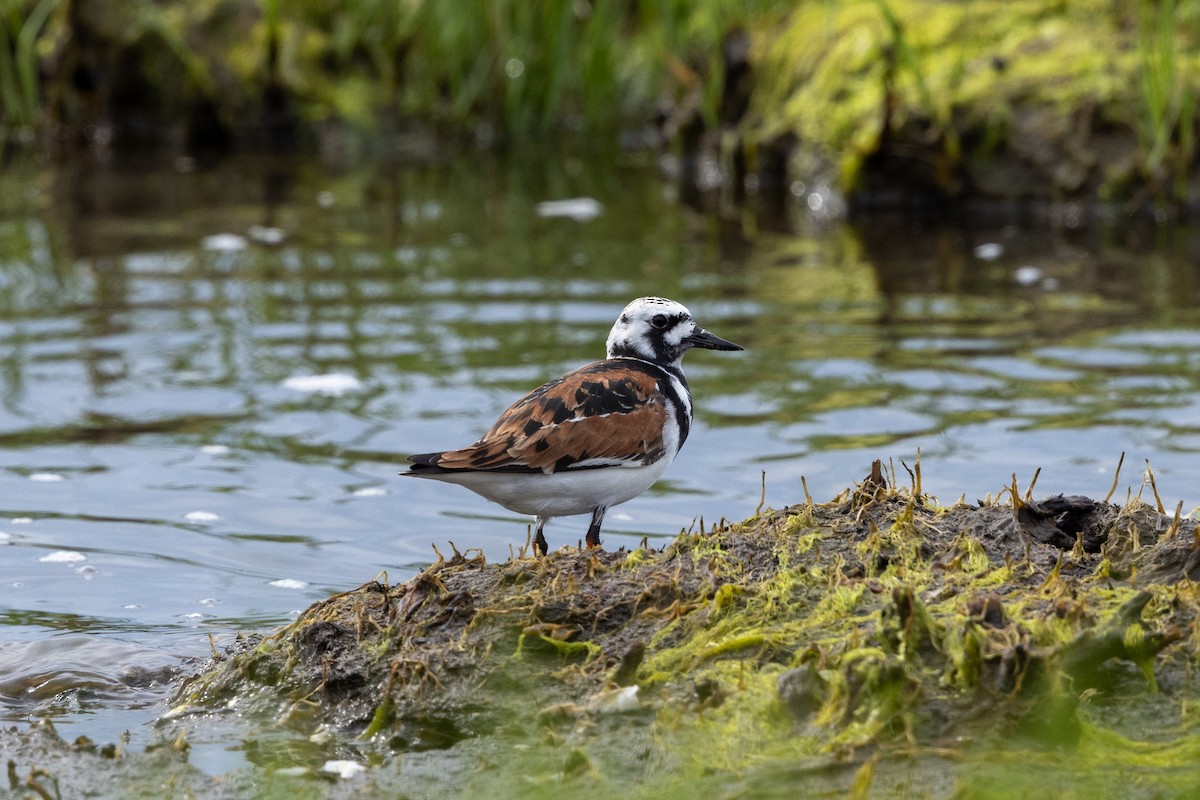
881, 644
1015, 100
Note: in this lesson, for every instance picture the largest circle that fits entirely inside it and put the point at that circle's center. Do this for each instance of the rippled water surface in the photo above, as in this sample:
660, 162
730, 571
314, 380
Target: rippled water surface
209, 379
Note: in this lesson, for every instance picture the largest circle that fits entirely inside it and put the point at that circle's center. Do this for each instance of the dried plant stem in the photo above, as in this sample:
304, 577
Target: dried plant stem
1116, 477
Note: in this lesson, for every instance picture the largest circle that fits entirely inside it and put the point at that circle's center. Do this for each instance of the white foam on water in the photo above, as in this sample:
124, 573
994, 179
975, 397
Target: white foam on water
288, 583
344, 769
63, 557
333, 383
580, 209
224, 242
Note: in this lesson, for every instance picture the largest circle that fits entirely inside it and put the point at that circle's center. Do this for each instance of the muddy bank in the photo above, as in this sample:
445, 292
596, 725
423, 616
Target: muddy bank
881, 642
880, 637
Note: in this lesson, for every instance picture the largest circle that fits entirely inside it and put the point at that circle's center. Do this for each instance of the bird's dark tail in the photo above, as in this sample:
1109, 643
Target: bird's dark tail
425, 464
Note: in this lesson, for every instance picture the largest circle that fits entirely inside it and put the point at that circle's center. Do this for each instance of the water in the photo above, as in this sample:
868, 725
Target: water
210, 378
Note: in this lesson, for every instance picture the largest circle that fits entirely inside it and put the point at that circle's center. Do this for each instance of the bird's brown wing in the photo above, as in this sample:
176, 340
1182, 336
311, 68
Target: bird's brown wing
609, 412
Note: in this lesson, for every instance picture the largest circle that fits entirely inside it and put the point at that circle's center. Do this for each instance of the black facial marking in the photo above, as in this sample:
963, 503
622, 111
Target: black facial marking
650, 340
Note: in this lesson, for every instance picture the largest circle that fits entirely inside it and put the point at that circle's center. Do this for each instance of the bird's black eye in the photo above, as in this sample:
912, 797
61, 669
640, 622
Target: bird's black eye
659, 321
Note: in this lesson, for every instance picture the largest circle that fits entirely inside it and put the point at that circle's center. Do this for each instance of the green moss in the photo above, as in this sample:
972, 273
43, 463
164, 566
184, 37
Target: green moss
772, 654
570, 650
843, 76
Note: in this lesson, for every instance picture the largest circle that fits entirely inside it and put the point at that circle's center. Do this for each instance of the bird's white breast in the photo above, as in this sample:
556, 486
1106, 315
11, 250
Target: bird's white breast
560, 494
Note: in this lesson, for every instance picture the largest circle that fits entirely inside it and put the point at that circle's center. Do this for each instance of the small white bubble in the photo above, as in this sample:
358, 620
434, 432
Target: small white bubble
214, 450
333, 384
264, 235
288, 583
130, 606
798, 189
208, 601
201, 516
195, 616
989, 251
87, 571
63, 557
1027, 275
325, 199
344, 769
21, 520
224, 242
709, 176
370, 491
580, 209
46, 477
514, 68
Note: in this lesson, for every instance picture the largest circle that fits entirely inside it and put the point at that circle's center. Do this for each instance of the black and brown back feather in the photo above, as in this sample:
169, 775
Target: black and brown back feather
614, 409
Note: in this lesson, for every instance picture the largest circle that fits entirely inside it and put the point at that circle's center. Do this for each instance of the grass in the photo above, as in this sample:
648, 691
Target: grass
1166, 122
945, 85
520, 67
20, 95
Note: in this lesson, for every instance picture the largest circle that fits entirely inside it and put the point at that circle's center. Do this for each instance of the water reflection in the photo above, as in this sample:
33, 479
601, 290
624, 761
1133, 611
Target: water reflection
181, 387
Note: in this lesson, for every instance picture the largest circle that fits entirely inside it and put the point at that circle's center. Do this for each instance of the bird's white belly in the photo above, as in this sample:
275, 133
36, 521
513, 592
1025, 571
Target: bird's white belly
559, 494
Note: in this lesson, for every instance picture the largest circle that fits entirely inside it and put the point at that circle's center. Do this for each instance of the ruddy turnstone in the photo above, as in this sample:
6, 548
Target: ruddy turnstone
594, 438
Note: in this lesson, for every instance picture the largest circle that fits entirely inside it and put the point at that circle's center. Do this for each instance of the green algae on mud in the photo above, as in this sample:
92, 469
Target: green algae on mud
877, 640
1027, 100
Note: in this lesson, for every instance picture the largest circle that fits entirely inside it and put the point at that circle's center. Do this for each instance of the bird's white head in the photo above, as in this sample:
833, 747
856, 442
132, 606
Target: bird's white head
659, 330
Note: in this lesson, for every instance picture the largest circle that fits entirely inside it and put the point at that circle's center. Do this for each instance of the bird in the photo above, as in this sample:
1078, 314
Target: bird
594, 438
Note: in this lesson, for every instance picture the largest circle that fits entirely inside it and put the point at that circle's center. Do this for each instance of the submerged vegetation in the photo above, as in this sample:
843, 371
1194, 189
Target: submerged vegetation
1027, 100
880, 641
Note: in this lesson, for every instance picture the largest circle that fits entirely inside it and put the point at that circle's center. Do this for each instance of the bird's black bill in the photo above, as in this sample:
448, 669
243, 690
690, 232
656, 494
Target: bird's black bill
702, 338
